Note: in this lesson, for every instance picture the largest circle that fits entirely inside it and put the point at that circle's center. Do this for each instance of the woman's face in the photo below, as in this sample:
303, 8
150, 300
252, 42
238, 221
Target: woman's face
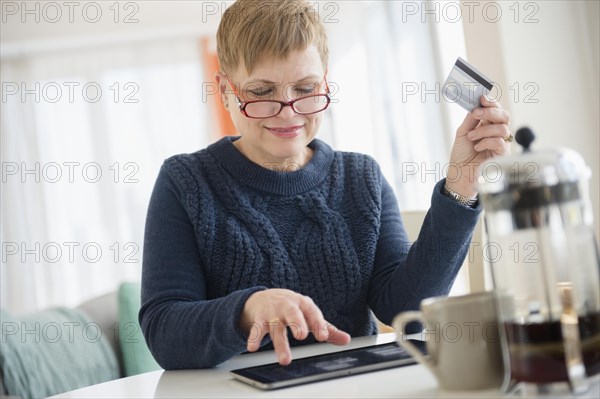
280, 141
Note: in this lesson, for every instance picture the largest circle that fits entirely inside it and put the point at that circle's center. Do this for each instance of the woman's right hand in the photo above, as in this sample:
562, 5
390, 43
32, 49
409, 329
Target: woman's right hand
272, 311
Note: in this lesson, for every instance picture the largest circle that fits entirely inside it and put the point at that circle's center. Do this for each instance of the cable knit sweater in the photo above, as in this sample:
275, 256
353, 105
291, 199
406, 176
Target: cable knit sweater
220, 227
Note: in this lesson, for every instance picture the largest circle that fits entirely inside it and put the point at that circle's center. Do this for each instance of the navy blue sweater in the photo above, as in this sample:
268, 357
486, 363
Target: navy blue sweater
220, 227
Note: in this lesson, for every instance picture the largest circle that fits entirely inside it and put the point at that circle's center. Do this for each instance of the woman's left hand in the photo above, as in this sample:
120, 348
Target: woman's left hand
482, 135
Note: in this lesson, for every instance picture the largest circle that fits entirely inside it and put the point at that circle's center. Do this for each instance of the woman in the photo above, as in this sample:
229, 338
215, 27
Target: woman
240, 248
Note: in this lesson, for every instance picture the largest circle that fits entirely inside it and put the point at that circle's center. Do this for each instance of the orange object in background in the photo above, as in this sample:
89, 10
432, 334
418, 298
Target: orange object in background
210, 62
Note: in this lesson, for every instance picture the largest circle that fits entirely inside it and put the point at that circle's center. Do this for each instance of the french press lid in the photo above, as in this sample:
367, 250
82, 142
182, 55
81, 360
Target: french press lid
531, 179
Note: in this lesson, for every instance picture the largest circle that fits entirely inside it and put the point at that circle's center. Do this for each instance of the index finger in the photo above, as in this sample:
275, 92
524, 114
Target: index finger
280, 342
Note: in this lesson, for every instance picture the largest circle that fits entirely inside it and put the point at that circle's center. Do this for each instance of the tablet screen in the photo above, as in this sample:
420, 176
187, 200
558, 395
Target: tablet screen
331, 365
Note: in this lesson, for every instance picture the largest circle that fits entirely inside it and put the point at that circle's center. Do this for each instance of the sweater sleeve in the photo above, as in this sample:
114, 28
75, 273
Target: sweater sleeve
182, 328
405, 274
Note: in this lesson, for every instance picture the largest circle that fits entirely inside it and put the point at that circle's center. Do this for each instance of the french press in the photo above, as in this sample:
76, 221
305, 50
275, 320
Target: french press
545, 265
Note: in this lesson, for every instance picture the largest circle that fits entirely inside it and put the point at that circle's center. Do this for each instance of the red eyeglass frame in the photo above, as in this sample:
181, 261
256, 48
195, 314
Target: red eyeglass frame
243, 104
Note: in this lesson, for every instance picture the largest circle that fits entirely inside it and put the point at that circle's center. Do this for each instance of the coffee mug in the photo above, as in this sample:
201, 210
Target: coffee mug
463, 341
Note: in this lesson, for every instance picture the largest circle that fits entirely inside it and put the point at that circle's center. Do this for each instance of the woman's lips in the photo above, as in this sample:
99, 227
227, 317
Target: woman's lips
290, 131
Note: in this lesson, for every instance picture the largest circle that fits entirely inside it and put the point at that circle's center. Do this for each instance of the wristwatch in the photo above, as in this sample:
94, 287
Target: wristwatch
461, 199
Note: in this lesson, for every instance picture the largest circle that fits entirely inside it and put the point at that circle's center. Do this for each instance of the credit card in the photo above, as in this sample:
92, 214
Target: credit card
465, 85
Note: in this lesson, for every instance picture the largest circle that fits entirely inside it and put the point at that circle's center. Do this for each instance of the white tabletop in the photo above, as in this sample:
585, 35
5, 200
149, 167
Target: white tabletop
410, 381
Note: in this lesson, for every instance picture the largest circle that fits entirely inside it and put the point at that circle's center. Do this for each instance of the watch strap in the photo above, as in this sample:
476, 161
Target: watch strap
461, 199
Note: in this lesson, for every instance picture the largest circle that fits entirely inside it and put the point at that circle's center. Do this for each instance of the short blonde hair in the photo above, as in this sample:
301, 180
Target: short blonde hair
250, 29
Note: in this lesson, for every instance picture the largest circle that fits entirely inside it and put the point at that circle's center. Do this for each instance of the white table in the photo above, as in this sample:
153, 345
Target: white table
411, 381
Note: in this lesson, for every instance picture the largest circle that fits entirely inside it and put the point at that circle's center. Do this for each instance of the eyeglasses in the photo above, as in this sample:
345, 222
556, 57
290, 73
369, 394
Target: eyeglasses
260, 109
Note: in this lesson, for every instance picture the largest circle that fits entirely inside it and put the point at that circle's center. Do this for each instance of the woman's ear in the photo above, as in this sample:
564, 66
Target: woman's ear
222, 85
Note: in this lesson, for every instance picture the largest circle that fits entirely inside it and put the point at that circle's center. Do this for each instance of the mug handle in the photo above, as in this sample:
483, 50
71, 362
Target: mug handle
399, 322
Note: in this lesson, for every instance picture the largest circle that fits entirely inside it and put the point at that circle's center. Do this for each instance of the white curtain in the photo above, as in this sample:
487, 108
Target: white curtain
84, 132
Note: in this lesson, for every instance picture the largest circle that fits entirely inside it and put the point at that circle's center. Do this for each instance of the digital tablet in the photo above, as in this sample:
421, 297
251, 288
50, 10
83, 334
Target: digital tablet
327, 366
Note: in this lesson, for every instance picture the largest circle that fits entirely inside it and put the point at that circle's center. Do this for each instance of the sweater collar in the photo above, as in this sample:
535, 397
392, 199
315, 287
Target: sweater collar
250, 174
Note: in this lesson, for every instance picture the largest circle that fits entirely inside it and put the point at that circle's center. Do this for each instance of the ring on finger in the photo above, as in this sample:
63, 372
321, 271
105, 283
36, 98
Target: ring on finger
509, 139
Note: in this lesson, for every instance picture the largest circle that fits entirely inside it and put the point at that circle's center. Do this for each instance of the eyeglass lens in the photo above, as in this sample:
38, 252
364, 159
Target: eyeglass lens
306, 105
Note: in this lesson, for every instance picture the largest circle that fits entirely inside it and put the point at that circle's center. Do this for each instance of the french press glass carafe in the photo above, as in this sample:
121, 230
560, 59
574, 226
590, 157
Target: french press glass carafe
545, 265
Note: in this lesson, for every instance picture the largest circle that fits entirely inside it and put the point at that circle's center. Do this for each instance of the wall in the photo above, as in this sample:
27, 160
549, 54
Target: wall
552, 46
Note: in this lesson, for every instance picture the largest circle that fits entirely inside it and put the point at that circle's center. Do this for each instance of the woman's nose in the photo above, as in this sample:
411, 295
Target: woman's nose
287, 112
